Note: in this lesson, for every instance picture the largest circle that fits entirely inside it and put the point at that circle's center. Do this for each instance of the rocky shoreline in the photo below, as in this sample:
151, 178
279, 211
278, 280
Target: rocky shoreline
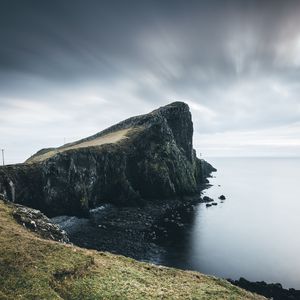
273, 291
137, 232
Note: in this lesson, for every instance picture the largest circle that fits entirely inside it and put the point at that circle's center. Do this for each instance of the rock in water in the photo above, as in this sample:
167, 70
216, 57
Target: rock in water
206, 199
142, 158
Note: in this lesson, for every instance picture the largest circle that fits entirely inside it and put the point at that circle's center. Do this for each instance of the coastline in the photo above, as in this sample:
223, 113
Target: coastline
136, 232
273, 291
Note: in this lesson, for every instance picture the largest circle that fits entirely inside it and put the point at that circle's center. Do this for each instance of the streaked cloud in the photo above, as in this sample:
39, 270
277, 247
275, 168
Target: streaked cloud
71, 68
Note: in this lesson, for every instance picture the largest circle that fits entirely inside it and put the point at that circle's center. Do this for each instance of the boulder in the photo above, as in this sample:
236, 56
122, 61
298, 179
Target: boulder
206, 199
36, 221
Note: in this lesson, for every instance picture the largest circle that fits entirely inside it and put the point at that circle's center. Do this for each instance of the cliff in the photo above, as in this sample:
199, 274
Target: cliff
142, 158
36, 268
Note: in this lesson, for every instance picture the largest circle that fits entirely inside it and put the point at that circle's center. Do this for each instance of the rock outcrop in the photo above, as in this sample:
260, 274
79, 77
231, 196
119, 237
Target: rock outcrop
273, 291
37, 222
142, 158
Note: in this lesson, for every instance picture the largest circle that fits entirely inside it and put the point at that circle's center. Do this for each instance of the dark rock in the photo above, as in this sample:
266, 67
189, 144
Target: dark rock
206, 199
208, 205
35, 221
171, 220
271, 290
154, 159
222, 197
214, 203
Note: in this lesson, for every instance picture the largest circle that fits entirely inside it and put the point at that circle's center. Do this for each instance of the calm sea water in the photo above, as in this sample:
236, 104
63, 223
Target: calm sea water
255, 232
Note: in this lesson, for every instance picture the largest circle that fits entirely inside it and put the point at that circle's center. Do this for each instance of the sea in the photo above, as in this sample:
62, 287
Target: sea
255, 232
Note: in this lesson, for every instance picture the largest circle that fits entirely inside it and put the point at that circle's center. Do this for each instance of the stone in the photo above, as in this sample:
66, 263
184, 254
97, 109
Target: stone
207, 199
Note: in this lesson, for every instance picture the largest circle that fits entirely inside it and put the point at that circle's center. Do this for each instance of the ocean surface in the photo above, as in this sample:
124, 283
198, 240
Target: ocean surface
255, 232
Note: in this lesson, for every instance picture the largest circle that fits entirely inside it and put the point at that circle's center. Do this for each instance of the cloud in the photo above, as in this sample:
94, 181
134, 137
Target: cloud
68, 69
282, 141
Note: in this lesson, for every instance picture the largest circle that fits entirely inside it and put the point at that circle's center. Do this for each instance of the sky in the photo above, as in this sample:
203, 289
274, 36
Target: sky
70, 68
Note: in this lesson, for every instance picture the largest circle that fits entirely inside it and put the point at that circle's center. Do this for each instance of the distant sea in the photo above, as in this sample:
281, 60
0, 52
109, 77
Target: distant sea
255, 232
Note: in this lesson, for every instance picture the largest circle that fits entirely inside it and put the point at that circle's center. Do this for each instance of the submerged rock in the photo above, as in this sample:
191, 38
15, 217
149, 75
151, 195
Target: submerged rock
222, 197
206, 199
142, 158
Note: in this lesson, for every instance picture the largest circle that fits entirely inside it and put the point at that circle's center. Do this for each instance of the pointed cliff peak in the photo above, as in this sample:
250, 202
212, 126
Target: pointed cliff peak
175, 115
174, 112
174, 106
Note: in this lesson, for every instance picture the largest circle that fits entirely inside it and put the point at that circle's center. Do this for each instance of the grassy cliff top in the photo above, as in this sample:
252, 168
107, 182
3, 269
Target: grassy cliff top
116, 133
34, 268
109, 138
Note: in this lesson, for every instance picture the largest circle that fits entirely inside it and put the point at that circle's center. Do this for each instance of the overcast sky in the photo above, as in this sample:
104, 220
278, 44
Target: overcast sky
69, 68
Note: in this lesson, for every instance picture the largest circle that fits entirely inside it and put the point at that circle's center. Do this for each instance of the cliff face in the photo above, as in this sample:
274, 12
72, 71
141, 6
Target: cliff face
139, 159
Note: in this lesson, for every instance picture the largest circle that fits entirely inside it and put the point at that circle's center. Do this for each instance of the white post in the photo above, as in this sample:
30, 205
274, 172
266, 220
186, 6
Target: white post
2, 150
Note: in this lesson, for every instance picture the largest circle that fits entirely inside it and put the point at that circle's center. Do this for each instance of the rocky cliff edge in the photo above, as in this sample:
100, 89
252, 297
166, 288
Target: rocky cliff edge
142, 158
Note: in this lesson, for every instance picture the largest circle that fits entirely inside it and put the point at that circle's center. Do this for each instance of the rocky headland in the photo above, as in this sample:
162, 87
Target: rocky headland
132, 163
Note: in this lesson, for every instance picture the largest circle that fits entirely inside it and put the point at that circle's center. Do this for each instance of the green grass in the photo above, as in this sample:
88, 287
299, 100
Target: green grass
109, 138
34, 268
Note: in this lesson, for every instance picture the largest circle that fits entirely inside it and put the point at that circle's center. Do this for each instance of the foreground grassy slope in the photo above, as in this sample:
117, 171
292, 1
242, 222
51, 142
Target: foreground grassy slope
34, 268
